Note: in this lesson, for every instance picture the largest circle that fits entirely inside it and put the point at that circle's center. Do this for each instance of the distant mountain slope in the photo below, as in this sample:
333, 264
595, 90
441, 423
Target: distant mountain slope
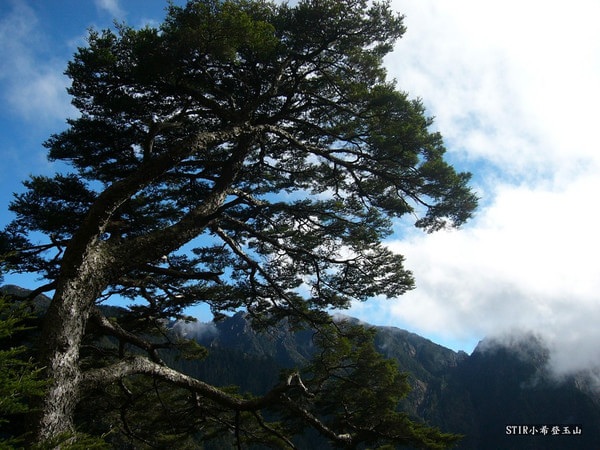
507, 384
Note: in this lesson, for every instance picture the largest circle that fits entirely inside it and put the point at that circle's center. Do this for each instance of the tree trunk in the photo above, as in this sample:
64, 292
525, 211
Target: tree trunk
64, 328
89, 265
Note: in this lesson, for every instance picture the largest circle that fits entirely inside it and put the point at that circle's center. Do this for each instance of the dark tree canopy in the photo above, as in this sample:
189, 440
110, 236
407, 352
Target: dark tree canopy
247, 155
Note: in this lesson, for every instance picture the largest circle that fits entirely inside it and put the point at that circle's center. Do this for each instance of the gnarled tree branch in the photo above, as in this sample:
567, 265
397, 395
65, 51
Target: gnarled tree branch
276, 397
114, 329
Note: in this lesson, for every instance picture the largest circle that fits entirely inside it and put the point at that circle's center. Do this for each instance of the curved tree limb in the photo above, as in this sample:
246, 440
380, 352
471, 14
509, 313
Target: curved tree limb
276, 397
115, 330
137, 364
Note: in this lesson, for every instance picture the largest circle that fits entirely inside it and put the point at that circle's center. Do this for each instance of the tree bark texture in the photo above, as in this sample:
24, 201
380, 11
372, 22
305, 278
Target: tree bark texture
64, 328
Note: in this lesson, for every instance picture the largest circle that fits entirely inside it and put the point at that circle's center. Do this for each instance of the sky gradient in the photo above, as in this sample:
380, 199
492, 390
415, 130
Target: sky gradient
514, 87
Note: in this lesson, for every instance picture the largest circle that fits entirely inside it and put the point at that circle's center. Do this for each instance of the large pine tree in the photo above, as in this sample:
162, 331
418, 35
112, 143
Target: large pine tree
247, 155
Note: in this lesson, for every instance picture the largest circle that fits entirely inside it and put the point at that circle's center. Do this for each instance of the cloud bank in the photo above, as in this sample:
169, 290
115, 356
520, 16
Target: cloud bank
195, 330
528, 262
514, 88
505, 79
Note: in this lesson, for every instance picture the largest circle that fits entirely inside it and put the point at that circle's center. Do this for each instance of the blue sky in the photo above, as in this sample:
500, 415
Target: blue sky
515, 89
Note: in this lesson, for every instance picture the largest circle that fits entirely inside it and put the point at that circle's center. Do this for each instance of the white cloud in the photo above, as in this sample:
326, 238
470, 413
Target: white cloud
528, 262
514, 88
33, 86
112, 7
195, 330
509, 82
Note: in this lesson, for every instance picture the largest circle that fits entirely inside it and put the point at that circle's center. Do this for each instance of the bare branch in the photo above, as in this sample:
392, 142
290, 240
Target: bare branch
136, 251
273, 431
116, 194
209, 276
115, 330
140, 365
307, 416
276, 397
249, 198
